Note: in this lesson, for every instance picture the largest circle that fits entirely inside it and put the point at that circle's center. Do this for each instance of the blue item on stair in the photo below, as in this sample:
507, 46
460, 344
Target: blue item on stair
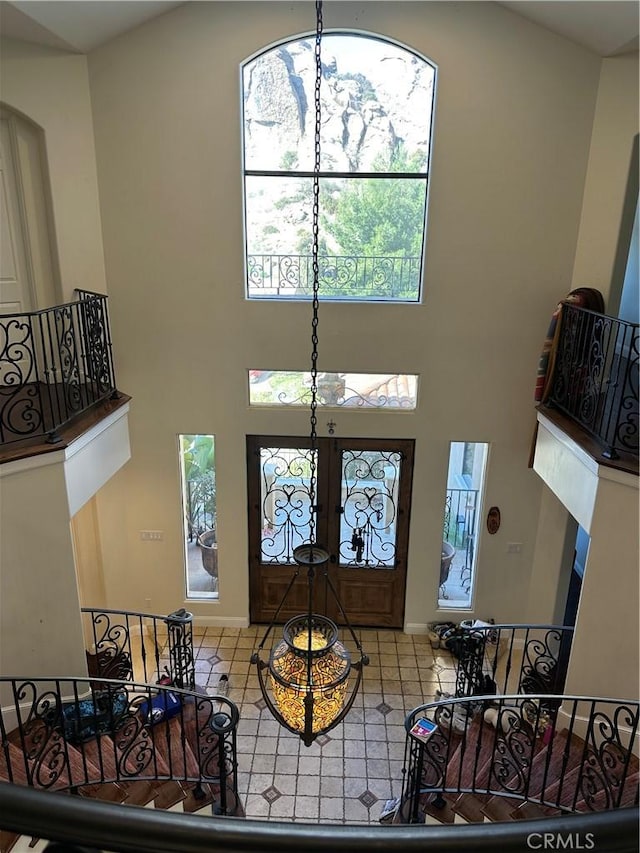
164, 706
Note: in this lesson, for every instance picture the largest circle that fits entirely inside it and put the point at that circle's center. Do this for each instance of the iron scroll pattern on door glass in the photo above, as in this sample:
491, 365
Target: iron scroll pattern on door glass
284, 474
369, 508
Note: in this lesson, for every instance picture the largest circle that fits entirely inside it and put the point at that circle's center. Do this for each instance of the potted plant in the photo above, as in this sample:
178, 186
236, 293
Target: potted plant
209, 550
198, 456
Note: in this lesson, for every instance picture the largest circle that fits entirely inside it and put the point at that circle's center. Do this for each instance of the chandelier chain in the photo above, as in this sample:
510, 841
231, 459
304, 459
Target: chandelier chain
316, 273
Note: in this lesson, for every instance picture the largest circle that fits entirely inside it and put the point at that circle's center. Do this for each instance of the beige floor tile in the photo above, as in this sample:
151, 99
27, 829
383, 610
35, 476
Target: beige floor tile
331, 786
365, 752
307, 807
283, 808
332, 809
308, 786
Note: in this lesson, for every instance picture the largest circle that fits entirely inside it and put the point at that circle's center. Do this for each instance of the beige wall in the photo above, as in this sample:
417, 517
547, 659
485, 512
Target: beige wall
614, 128
598, 666
52, 89
87, 548
513, 123
610, 586
39, 606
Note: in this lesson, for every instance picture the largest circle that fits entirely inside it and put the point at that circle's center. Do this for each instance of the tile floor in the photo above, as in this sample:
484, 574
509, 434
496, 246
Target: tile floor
344, 776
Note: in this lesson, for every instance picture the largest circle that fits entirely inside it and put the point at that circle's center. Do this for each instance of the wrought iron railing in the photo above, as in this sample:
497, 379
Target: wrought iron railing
77, 821
511, 658
460, 513
125, 643
565, 753
595, 378
340, 277
68, 734
54, 365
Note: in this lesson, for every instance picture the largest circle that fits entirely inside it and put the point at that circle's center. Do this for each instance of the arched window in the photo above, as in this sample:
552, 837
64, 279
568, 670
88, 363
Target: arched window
376, 109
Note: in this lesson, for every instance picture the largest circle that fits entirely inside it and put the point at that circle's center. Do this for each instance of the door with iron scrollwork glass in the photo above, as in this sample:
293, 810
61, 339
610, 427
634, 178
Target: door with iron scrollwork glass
362, 499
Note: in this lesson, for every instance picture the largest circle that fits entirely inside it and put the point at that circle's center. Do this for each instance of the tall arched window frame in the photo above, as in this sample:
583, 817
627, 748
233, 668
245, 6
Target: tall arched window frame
377, 103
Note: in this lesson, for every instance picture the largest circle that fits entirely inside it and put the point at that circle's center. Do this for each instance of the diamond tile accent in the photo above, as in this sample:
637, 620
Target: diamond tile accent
260, 704
213, 660
271, 794
368, 799
384, 708
436, 667
323, 740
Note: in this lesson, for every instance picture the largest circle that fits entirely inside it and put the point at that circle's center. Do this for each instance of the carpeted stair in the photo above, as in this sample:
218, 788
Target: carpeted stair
43, 759
538, 779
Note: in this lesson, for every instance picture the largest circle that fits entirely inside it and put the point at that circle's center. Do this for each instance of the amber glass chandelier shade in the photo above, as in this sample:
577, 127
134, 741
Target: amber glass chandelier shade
298, 673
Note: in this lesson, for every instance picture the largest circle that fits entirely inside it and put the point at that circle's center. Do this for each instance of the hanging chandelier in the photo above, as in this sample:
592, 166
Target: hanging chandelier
306, 686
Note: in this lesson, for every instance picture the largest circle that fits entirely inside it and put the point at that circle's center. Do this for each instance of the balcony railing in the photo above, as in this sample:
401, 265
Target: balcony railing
54, 365
69, 734
566, 754
74, 820
510, 658
340, 277
124, 643
595, 379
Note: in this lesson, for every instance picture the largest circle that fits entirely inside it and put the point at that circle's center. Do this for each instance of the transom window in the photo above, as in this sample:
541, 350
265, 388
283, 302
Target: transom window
376, 110
344, 390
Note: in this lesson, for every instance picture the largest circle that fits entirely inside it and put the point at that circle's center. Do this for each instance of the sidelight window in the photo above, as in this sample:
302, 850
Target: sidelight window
465, 483
198, 479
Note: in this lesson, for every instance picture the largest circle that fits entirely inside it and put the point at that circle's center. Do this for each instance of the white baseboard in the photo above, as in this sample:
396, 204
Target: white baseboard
416, 628
220, 621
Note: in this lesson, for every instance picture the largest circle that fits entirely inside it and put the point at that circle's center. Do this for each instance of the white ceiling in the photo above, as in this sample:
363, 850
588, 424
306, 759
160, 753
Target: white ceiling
607, 27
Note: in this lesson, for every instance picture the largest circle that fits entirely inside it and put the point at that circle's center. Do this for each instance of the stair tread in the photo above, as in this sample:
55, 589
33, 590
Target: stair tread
472, 755
443, 815
499, 808
104, 755
169, 794
7, 840
18, 772
150, 763
628, 796
470, 807
528, 811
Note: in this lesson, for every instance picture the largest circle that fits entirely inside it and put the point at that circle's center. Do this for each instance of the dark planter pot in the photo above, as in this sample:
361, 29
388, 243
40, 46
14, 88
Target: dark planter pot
209, 551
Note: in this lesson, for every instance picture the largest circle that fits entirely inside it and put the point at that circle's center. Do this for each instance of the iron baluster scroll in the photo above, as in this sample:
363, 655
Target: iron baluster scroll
595, 380
523, 748
96, 341
64, 734
54, 365
340, 277
370, 482
530, 659
162, 645
182, 669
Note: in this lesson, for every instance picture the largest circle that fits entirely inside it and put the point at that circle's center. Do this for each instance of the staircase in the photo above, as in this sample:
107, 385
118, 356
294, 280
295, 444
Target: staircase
505, 758
121, 756
109, 738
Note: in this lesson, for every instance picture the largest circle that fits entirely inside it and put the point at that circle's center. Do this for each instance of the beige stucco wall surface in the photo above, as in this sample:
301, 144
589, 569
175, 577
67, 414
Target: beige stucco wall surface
614, 128
512, 128
610, 596
52, 89
39, 605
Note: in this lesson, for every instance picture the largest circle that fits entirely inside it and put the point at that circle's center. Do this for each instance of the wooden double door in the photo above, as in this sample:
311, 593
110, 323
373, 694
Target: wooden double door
362, 510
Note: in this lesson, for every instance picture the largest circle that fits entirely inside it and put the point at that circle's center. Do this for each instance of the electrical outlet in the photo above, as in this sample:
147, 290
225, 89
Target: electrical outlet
514, 548
152, 535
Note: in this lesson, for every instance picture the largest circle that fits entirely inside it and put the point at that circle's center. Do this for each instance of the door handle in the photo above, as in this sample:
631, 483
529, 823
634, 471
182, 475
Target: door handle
333, 559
